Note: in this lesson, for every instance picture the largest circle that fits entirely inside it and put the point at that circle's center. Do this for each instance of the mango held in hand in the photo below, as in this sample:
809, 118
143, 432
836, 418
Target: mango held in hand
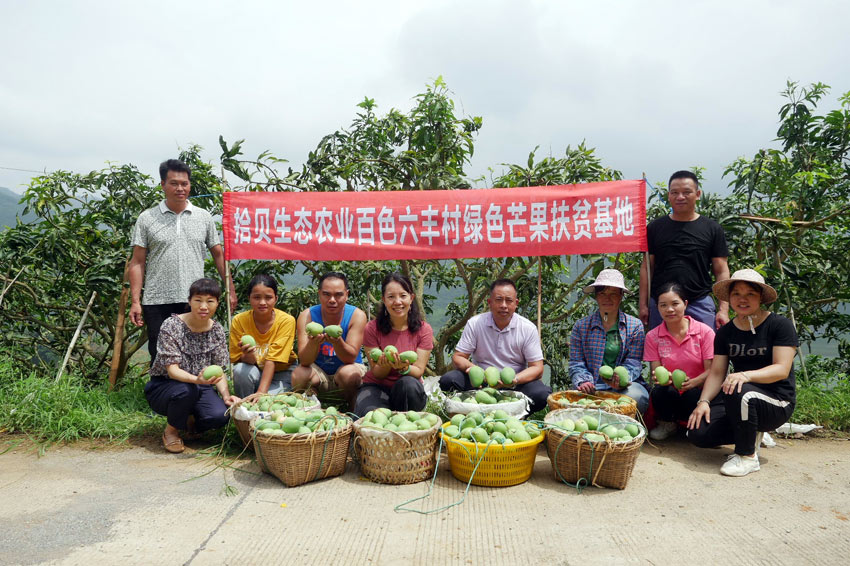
409, 356
333, 331
492, 376
314, 329
507, 375
679, 377
391, 353
213, 371
606, 372
623, 374
662, 375
248, 340
375, 354
476, 376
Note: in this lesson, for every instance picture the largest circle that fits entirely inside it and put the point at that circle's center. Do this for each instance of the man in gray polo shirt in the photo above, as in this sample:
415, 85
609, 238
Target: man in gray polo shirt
170, 243
501, 338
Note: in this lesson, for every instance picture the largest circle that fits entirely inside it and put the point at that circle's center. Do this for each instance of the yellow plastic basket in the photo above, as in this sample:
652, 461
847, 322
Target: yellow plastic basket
500, 465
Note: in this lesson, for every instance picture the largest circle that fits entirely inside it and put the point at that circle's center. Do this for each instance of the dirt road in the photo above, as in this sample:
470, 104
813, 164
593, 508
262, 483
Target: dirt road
90, 504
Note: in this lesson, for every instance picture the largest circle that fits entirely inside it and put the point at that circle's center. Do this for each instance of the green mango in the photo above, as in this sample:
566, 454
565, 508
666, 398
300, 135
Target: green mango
632, 429
625, 438
391, 353
507, 375
452, 431
407, 427
413, 416
519, 435
466, 433
611, 431
423, 424
431, 418
291, 425
623, 374
513, 422
606, 372
213, 371
485, 398
391, 427
307, 429
333, 330
500, 427
398, 418
532, 430
248, 340
468, 423
679, 378
379, 418
458, 419
497, 436
480, 435
662, 375
314, 329
594, 438
567, 424
375, 354
491, 374
491, 391
476, 416
591, 422
500, 415
384, 411
409, 356
331, 411
476, 376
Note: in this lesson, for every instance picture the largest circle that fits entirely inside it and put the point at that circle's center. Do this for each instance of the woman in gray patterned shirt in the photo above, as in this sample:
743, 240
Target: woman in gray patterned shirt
188, 345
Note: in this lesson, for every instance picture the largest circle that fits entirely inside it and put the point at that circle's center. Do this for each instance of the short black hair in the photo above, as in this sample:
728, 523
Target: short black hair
502, 283
683, 175
263, 279
173, 165
205, 286
334, 275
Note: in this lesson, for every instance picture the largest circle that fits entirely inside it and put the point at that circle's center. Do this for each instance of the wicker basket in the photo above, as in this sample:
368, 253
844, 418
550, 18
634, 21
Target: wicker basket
554, 401
296, 459
603, 464
498, 465
396, 457
243, 425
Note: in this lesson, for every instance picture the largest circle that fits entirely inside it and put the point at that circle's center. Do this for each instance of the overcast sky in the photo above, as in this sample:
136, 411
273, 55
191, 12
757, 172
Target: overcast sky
655, 86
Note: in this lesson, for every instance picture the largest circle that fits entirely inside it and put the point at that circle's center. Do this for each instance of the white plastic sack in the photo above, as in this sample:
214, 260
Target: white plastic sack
791, 428
518, 408
243, 414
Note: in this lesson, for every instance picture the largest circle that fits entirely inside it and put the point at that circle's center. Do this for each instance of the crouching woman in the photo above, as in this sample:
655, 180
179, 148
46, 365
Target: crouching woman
188, 344
760, 394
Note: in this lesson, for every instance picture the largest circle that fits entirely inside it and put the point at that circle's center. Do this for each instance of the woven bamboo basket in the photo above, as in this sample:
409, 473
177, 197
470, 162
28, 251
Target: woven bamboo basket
567, 399
396, 457
497, 465
296, 459
603, 464
243, 425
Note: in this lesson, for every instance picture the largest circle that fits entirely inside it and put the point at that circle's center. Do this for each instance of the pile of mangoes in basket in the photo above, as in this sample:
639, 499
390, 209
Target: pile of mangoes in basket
497, 427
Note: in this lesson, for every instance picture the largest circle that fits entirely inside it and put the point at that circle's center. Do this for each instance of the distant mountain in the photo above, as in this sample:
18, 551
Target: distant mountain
9, 208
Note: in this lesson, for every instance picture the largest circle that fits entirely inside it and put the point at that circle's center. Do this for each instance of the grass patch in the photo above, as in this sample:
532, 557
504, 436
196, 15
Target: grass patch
824, 398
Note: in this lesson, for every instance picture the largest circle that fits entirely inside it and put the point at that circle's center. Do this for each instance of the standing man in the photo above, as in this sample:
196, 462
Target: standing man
327, 363
169, 246
684, 248
501, 338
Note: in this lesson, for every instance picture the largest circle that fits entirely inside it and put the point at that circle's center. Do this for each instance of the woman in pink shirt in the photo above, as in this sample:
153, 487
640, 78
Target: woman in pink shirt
391, 382
680, 343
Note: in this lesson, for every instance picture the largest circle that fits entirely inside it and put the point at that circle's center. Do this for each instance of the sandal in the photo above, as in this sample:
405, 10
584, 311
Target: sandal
175, 445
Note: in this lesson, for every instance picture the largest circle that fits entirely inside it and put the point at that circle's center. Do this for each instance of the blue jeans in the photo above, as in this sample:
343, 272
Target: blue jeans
246, 380
702, 310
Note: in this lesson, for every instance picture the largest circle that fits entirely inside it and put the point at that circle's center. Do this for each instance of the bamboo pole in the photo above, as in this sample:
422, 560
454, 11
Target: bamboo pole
76, 335
118, 339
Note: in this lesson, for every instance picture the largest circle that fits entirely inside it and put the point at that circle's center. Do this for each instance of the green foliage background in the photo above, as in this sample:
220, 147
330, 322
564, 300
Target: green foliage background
786, 217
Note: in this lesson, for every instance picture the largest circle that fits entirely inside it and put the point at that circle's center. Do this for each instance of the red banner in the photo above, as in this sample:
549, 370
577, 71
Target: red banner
380, 225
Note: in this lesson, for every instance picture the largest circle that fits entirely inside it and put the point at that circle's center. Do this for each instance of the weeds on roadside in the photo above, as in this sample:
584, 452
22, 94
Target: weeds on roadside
824, 398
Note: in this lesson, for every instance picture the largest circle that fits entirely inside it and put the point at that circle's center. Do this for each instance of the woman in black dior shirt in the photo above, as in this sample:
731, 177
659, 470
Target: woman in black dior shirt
759, 394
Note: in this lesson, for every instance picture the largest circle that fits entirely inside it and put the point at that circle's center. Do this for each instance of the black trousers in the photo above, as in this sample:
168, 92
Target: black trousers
672, 406
406, 394
537, 391
177, 400
154, 316
737, 418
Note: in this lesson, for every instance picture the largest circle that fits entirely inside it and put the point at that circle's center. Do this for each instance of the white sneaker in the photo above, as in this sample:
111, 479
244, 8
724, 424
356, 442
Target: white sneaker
737, 465
662, 430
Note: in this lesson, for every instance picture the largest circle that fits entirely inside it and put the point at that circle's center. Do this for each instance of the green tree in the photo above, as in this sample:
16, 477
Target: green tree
792, 206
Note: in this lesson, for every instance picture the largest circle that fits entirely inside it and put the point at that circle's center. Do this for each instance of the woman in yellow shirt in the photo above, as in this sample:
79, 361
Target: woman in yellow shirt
263, 366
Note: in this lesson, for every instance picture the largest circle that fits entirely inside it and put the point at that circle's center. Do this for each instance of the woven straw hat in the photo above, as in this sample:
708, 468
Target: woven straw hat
721, 288
607, 278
